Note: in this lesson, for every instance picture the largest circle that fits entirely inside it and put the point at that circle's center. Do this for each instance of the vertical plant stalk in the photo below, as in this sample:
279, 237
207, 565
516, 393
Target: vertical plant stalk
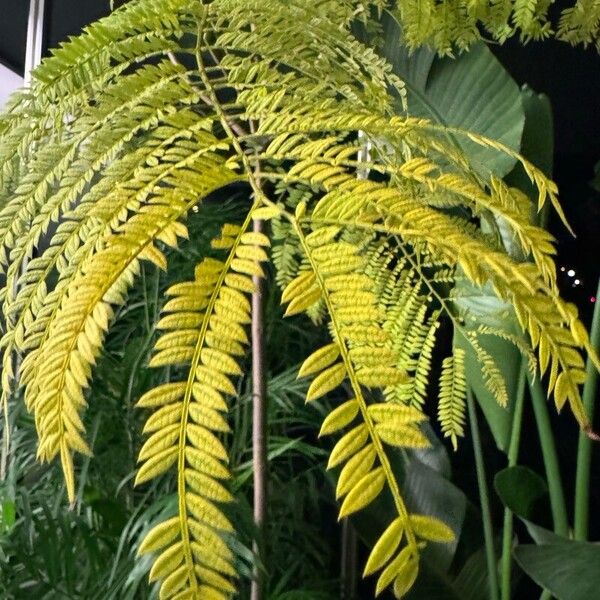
549, 454
584, 448
513, 457
484, 499
259, 432
349, 561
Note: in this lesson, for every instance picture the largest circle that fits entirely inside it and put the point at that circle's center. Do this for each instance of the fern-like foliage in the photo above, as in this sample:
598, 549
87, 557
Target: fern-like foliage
127, 128
410, 320
361, 353
449, 26
453, 390
204, 332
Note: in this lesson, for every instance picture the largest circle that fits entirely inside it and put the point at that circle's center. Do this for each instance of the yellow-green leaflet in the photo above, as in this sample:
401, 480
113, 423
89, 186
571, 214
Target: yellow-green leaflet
340, 417
385, 547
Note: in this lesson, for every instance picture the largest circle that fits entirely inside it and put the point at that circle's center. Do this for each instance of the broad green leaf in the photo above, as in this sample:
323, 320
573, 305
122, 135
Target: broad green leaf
541, 535
434, 585
538, 147
523, 491
481, 307
520, 489
569, 570
472, 582
474, 93
538, 139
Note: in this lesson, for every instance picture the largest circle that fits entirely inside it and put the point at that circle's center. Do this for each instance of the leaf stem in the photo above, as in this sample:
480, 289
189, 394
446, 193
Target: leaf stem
549, 454
348, 562
584, 449
513, 456
356, 388
488, 531
187, 398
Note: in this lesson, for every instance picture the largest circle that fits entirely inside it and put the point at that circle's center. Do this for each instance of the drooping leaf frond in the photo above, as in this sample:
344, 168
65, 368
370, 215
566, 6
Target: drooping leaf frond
362, 353
203, 324
453, 390
410, 320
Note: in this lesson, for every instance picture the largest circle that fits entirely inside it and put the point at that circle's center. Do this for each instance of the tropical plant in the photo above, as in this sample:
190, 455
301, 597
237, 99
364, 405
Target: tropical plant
49, 551
126, 129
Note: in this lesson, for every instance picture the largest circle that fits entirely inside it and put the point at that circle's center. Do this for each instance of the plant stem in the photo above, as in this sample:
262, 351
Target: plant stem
348, 572
513, 457
259, 433
484, 500
584, 449
555, 488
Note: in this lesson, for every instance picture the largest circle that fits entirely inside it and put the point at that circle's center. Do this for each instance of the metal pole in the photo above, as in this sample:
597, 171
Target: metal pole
35, 37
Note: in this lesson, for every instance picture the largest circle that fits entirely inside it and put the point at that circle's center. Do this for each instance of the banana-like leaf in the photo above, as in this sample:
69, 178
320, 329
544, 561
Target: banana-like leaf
483, 308
523, 491
474, 93
568, 570
537, 145
470, 583
426, 485
520, 488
